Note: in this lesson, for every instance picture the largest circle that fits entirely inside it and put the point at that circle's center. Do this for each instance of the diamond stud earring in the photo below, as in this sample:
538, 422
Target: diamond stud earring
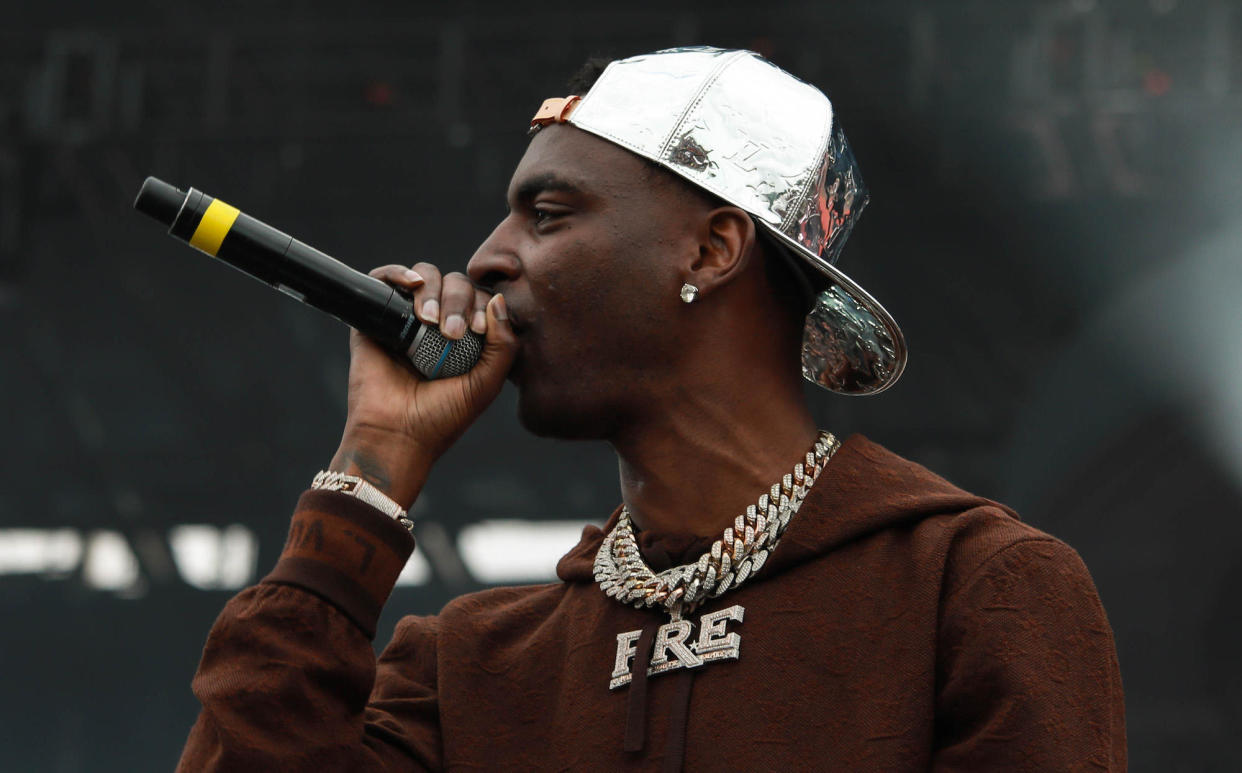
689, 293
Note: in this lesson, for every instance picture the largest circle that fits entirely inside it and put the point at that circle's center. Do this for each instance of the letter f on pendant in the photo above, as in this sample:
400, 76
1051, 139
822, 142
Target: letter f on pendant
627, 648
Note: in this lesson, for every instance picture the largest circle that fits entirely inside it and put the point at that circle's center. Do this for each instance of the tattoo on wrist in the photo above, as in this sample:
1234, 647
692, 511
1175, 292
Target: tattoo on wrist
366, 467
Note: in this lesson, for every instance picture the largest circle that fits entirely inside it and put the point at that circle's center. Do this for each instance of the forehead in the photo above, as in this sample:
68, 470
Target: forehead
564, 157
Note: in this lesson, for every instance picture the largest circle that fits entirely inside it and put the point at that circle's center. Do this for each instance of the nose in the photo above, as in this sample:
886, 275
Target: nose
495, 261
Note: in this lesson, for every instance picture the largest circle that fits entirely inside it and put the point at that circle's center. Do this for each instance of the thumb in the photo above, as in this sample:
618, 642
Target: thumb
499, 350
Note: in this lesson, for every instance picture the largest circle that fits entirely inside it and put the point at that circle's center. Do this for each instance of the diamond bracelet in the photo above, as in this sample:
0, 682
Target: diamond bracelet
360, 489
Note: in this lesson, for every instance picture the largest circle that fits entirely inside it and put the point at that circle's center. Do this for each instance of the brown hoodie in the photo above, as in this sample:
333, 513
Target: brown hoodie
901, 624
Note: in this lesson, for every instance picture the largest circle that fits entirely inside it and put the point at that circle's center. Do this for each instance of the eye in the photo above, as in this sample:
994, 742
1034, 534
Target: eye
543, 215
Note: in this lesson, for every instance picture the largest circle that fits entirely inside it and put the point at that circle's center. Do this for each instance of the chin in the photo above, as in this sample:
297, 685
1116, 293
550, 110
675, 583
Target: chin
563, 416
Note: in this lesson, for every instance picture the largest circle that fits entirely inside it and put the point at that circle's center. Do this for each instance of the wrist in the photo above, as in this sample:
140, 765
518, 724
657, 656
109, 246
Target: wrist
386, 460
359, 489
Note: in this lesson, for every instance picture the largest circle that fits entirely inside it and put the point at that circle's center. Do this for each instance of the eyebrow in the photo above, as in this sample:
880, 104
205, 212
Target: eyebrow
532, 187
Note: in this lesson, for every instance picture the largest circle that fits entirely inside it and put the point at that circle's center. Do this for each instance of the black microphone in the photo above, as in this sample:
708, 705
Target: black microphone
303, 272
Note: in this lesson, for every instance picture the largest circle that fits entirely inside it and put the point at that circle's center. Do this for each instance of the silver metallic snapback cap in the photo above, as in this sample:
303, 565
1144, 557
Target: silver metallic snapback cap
741, 128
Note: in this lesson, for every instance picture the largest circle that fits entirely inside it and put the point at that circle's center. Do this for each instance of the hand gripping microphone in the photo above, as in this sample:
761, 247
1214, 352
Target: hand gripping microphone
360, 301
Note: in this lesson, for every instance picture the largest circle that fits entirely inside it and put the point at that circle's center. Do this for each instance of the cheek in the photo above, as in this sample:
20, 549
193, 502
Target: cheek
605, 290
592, 278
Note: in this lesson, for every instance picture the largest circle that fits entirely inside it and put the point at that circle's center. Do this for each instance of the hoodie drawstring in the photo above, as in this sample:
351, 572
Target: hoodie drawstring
636, 715
636, 718
675, 748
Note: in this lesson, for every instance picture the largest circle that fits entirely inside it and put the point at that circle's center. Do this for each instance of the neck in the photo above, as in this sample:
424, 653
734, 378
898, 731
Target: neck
709, 453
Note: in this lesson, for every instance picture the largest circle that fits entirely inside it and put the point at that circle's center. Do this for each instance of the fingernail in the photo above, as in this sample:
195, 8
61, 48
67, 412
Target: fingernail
431, 311
411, 275
454, 326
502, 311
478, 323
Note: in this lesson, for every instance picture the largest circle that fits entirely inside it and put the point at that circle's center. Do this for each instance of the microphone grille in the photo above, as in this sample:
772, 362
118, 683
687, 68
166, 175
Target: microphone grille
435, 356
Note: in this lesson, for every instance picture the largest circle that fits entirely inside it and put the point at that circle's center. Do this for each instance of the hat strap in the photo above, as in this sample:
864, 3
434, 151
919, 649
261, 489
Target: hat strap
554, 110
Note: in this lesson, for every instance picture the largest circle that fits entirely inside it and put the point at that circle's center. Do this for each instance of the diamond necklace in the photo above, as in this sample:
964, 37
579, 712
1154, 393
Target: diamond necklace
740, 552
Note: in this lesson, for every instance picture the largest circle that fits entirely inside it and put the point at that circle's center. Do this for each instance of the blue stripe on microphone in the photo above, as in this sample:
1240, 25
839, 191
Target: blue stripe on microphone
448, 347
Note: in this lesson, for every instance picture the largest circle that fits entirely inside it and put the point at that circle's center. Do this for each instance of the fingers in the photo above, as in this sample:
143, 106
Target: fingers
501, 345
427, 297
400, 276
500, 333
499, 350
456, 304
448, 301
478, 320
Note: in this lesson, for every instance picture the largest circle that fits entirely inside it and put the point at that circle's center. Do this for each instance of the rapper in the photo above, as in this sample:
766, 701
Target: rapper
766, 595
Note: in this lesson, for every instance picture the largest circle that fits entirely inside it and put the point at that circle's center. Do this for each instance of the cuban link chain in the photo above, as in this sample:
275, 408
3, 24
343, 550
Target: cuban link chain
740, 552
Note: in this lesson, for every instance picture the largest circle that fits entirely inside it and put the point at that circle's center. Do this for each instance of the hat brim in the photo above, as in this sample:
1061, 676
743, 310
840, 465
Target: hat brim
850, 343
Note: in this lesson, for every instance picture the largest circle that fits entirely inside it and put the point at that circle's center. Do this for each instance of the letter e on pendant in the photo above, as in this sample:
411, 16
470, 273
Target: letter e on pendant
714, 642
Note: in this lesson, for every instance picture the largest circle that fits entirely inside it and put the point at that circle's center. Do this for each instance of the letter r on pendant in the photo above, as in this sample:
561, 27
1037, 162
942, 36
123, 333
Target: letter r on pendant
674, 636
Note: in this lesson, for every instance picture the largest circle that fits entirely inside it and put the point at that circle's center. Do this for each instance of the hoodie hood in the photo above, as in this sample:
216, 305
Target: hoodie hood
864, 488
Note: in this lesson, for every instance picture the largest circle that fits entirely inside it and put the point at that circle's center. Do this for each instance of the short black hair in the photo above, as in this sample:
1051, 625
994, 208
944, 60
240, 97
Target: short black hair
582, 80
795, 286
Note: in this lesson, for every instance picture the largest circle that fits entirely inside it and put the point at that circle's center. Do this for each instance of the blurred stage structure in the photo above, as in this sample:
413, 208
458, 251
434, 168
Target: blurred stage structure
1056, 222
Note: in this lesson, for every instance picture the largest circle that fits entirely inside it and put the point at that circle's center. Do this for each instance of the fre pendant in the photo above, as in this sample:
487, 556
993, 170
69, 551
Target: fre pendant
676, 648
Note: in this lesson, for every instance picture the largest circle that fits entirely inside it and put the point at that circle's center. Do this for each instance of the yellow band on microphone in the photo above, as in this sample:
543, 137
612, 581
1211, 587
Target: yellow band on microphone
214, 226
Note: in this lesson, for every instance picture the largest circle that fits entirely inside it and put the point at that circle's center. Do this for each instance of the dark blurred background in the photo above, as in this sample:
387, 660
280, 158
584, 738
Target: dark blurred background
1055, 221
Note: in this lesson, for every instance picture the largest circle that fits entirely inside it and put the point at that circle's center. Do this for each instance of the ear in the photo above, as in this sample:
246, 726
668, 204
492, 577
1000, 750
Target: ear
726, 242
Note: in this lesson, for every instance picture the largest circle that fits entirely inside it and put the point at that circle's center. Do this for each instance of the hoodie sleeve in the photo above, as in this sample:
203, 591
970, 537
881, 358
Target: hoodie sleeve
1027, 677
288, 679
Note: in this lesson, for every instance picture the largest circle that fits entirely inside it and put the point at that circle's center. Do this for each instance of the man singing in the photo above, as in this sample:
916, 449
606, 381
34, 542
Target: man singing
766, 596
